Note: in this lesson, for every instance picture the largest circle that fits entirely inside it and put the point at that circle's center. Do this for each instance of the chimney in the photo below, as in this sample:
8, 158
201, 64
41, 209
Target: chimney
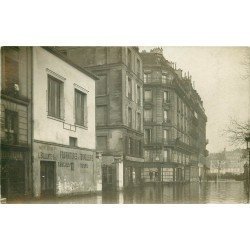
179, 72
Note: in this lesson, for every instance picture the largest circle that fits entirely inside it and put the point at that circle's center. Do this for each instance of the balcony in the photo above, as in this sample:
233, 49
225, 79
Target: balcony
166, 122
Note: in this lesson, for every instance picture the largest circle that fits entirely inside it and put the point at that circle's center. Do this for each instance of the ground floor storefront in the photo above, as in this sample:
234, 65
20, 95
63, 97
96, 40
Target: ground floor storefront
15, 172
60, 170
121, 172
160, 172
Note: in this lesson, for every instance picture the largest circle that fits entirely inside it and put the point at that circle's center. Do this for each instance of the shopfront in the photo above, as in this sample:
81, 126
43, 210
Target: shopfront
61, 170
14, 165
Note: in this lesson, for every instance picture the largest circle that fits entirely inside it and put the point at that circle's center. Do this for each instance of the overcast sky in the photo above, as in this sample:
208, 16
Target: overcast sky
217, 72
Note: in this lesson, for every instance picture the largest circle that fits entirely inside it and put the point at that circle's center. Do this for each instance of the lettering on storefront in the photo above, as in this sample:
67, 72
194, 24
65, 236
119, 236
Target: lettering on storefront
46, 156
12, 155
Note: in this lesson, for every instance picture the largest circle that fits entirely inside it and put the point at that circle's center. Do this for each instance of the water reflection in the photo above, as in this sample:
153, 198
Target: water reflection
196, 193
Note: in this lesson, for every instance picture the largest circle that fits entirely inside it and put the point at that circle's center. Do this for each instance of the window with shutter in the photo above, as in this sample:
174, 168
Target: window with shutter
80, 108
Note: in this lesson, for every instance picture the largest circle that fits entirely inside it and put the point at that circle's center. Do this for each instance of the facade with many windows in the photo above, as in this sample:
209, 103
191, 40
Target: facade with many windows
174, 123
119, 109
64, 160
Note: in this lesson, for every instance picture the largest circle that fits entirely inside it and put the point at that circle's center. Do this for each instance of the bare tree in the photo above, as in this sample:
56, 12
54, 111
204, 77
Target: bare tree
237, 131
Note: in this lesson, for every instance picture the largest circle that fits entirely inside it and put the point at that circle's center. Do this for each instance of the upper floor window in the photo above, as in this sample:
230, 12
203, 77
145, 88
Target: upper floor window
165, 155
73, 141
130, 88
164, 79
11, 126
165, 96
11, 69
55, 92
147, 136
130, 117
80, 108
101, 85
138, 67
139, 121
148, 95
165, 115
101, 115
138, 93
147, 78
129, 59
148, 115
166, 134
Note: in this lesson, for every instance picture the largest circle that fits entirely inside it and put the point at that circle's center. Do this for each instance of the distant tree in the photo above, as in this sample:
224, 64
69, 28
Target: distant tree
237, 131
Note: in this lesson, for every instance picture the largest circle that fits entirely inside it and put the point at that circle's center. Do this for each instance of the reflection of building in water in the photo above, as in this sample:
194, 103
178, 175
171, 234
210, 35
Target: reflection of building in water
174, 123
227, 162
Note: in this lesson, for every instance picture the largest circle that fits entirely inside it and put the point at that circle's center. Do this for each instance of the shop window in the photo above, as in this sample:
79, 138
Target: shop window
55, 92
11, 126
101, 85
80, 108
73, 141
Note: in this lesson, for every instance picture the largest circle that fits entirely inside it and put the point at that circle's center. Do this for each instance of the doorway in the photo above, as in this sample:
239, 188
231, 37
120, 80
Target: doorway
48, 178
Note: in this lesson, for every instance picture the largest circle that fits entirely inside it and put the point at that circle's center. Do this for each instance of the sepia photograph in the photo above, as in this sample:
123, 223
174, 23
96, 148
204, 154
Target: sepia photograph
122, 125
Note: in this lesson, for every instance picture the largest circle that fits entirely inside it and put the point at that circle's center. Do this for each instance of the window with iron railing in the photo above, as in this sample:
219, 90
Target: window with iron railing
11, 127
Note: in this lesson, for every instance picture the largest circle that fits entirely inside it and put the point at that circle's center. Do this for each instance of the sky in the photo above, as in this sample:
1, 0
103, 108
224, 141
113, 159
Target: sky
218, 75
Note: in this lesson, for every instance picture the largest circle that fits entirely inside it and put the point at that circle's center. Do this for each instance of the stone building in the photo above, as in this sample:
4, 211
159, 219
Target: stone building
16, 143
174, 123
119, 109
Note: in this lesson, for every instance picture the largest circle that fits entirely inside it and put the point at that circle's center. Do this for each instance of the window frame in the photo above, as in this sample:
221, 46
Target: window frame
85, 111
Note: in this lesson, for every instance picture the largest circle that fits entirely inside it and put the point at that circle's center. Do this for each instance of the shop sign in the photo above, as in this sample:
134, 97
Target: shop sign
12, 155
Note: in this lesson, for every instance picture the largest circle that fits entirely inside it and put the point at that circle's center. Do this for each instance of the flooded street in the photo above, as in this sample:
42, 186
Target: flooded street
226, 192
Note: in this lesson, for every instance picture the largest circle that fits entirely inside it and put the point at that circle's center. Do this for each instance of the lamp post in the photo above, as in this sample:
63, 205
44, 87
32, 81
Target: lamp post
247, 139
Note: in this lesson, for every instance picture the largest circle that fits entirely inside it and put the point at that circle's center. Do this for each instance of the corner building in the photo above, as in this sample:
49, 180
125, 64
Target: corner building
174, 123
119, 110
64, 155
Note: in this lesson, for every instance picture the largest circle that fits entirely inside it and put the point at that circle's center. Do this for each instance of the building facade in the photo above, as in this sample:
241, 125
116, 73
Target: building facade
119, 109
16, 142
64, 159
174, 123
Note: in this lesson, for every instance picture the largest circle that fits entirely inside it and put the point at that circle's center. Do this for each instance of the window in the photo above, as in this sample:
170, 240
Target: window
148, 116
11, 126
101, 85
148, 95
165, 135
147, 78
138, 63
80, 108
164, 79
165, 96
165, 115
147, 136
147, 155
73, 141
129, 59
165, 155
101, 115
138, 121
130, 117
54, 97
130, 146
11, 68
130, 88
138, 95
101, 143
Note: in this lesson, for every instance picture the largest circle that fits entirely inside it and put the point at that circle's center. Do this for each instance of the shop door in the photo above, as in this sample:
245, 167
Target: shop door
108, 177
47, 178
12, 179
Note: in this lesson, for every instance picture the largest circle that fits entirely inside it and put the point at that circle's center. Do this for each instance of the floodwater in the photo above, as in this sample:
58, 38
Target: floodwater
227, 192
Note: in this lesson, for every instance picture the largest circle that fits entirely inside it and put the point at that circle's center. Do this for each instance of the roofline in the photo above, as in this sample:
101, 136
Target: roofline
58, 54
